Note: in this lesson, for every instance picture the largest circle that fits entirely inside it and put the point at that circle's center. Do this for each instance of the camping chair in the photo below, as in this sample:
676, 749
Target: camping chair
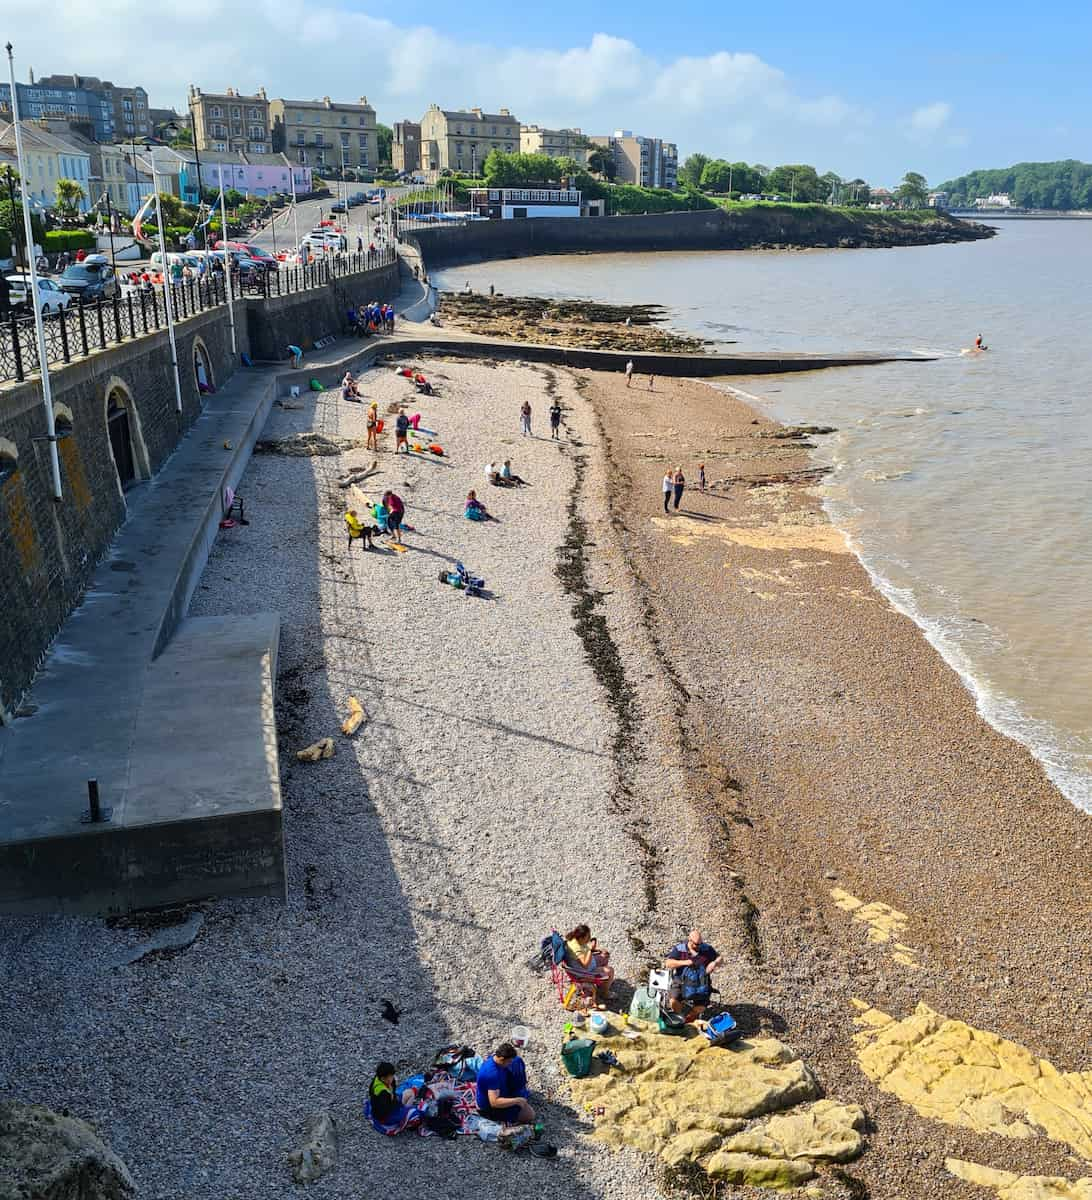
573, 991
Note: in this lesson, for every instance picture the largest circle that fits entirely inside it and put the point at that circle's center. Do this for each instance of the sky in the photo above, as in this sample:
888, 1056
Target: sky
871, 91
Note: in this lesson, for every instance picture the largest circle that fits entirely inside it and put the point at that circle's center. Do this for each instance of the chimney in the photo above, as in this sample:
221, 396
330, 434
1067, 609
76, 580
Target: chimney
476, 111
32, 76
505, 113
261, 92
326, 101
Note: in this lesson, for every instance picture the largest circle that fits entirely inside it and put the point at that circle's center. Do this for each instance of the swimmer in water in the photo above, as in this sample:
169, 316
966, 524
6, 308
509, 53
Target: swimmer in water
978, 342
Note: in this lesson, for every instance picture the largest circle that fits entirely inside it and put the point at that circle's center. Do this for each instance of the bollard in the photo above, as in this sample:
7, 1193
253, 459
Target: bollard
95, 814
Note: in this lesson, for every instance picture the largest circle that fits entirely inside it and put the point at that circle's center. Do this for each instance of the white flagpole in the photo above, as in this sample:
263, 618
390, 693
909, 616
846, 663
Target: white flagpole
227, 259
39, 327
295, 215
168, 291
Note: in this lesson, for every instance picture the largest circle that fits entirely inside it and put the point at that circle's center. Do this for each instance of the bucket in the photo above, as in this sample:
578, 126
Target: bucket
379, 427
520, 1036
598, 1023
576, 1054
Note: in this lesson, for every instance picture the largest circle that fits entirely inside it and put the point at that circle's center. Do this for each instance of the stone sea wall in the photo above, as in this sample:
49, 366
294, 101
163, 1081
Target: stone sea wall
745, 229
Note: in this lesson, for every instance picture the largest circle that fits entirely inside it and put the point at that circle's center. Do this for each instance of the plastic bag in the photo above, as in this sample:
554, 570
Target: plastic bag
488, 1130
643, 1007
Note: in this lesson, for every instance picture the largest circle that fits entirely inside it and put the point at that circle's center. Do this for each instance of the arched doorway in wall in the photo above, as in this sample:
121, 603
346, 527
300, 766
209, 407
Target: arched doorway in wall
202, 370
121, 437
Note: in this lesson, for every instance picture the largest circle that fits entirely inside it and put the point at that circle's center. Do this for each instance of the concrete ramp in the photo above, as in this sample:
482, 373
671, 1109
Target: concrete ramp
172, 717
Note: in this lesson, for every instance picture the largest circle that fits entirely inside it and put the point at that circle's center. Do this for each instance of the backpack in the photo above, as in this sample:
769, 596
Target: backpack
694, 982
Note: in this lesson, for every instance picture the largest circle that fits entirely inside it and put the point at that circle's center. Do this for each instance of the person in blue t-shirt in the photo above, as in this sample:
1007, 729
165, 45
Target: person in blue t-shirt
691, 963
502, 1088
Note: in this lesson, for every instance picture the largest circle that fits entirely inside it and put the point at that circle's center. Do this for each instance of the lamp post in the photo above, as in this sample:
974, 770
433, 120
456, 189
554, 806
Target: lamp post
168, 288
200, 189
32, 268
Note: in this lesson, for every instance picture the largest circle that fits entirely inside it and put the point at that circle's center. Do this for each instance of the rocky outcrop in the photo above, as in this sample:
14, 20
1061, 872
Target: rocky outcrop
51, 1156
1008, 1186
317, 1151
952, 1072
745, 1115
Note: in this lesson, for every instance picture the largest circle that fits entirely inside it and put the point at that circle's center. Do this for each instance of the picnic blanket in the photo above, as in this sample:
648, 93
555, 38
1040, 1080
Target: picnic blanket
464, 1105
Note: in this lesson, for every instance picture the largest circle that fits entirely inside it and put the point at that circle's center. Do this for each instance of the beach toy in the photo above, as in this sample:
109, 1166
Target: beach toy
316, 386
437, 450
520, 1036
379, 427
597, 1023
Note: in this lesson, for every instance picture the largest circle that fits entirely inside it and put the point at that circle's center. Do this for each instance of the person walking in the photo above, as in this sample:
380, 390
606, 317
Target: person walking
373, 424
401, 430
701, 477
555, 420
651, 381
679, 485
629, 372
669, 485
525, 418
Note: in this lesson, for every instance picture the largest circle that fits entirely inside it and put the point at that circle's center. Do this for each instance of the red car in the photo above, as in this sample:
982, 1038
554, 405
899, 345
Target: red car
258, 253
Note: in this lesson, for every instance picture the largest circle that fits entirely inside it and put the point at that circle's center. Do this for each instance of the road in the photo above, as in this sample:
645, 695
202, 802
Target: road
356, 223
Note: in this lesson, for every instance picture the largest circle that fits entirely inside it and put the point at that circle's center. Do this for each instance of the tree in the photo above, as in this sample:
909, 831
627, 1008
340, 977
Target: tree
183, 139
384, 139
690, 172
715, 176
232, 199
798, 181
856, 193
518, 170
69, 196
833, 185
913, 192
171, 207
601, 162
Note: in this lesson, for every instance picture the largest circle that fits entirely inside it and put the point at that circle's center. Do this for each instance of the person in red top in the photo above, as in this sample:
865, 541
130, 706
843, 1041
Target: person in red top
396, 510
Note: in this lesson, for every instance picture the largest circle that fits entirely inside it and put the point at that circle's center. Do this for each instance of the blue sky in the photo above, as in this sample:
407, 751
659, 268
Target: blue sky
872, 90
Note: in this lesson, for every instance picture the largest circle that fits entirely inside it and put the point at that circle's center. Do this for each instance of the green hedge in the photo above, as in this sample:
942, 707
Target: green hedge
57, 240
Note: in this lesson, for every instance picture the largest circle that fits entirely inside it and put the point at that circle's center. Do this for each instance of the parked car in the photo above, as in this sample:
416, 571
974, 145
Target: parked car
89, 280
50, 297
258, 253
337, 207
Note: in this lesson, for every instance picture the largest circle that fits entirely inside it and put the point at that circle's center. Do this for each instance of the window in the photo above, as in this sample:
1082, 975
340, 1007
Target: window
458, 147
363, 120
301, 138
236, 112
319, 139
364, 156
320, 157
216, 111
253, 114
316, 119
257, 132
493, 130
345, 120
362, 138
508, 147
219, 145
458, 130
258, 147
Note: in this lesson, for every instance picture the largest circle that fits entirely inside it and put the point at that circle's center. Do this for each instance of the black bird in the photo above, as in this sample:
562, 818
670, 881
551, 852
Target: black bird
390, 1013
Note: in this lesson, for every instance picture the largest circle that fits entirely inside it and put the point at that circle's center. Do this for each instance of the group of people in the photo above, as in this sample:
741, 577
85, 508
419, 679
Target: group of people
365, 319
629, 373
502, 475
501, 1091
674, 484
387, 513
525, 413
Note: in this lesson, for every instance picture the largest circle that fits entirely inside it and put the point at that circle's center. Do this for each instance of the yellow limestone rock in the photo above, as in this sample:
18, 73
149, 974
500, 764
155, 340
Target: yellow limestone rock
680, 1098
885, 924
356, 714
952, 1072
1020, 1187
777, 1173
825, 1130
323, 748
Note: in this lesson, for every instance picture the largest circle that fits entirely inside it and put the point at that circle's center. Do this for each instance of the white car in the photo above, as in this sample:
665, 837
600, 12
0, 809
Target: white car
50, 297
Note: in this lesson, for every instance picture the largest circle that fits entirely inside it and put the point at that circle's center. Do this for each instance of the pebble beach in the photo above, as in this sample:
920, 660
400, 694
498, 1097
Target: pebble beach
648, 722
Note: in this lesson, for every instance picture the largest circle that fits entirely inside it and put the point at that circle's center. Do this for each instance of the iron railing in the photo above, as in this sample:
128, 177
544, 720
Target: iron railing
80, 329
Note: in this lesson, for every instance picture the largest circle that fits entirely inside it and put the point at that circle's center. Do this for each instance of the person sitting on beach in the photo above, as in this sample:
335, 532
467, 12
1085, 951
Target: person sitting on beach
384, 1109
584, 960
349, 390
501, 1088
493, 475
510, 480
382, 515
691, 963
475, 510
357, 529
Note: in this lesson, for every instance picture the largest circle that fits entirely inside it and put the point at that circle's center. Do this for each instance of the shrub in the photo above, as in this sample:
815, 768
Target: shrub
57, 240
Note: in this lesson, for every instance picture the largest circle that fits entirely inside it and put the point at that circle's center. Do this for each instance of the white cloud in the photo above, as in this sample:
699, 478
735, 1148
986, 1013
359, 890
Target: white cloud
724, 103
929, 118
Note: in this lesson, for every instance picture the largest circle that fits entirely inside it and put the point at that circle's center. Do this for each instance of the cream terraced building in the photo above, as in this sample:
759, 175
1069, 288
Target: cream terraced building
461, 139
557, 143
326, 133
229, 121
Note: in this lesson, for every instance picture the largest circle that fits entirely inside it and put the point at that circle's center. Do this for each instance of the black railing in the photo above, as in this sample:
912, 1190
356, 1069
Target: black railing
81, 329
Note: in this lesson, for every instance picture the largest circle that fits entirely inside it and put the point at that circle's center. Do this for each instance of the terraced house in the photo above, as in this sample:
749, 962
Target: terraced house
460, 140
325, 133
49, 158
557, 143
231, 121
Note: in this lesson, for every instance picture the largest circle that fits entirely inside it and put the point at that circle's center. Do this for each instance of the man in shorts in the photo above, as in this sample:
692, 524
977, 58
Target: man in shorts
691, 964
401, 430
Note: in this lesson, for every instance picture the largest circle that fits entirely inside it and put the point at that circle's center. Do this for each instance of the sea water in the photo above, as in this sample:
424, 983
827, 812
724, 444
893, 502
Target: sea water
965, 483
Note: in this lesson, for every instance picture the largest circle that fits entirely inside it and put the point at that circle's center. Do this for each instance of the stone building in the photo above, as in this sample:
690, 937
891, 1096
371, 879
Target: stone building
132, 116
557, 143
460, 140
326, 133
644, 161
231, 121
406, 146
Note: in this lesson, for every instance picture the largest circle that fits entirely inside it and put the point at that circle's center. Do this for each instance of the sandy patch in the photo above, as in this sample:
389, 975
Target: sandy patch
823, 538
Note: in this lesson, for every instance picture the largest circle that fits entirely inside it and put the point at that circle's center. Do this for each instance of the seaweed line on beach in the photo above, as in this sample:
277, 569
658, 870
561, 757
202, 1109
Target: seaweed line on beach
720, 781
605, 660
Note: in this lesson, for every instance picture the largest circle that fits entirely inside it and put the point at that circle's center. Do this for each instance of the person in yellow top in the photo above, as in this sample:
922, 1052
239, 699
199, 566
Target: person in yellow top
584, 960
357, 529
